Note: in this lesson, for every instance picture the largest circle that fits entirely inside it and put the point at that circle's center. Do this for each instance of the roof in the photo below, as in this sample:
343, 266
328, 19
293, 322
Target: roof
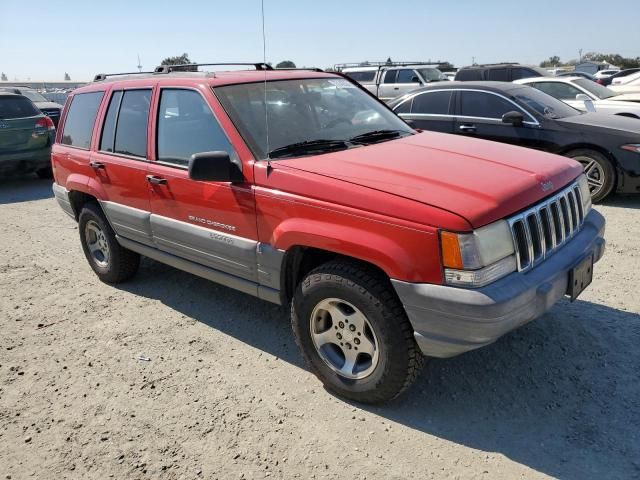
501, 87
216, 78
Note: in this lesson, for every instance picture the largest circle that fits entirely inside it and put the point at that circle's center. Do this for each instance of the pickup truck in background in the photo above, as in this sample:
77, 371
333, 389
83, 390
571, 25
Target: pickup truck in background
388, 81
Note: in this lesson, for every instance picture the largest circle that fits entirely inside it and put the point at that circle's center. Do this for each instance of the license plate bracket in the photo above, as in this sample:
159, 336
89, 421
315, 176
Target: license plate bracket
580, 277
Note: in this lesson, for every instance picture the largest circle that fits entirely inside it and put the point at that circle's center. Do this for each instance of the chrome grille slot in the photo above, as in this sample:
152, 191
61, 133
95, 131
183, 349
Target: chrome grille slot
542, 229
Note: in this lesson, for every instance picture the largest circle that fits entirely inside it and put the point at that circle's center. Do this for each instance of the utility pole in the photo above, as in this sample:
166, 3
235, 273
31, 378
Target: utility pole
473, 60
580, 56
139, 66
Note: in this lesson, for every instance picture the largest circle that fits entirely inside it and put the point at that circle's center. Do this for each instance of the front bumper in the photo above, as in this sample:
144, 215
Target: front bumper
448, 321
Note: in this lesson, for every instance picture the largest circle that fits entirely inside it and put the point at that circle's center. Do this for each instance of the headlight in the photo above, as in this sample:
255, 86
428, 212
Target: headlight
479, 258
585, 193
632, 147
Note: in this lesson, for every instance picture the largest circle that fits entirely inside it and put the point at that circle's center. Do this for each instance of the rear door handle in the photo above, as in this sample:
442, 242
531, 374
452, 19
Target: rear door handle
467, 128
156, 180
396, 88
96, 165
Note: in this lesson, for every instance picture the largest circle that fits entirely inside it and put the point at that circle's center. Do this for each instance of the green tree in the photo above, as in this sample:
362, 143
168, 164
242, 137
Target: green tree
551, 62
180, 60
66, 76
286, 64
3, 77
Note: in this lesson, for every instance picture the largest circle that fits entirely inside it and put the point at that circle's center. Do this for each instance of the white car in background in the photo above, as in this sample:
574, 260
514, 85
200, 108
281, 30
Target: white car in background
626, 79
605, 73
586, 95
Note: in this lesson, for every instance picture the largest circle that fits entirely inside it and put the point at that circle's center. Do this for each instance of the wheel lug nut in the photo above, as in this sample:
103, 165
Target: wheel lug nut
356, 341
339, 336
352, 328
348, 345
341, 324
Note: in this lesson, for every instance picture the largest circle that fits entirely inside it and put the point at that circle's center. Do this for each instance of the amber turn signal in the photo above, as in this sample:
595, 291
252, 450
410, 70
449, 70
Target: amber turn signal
451, 257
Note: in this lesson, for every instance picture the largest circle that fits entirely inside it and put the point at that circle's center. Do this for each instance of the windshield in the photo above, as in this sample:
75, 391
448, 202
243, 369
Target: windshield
595, 88
33, 96
432, 74
544, 104
319, 113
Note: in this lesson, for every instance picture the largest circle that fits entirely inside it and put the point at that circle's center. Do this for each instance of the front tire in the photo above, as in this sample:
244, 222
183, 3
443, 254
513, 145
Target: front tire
600, 172
108, 259
354, 333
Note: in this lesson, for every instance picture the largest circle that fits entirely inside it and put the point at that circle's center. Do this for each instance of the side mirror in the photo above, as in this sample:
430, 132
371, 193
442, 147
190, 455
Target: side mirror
214, 167
588, 102
514, 118
415, 80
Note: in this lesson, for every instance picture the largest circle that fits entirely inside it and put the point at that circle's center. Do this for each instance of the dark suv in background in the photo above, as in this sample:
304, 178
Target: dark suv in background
50, 109
499, 72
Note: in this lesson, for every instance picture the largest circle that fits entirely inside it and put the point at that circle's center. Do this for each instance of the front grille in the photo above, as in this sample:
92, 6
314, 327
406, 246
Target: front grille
542, 229
52, 113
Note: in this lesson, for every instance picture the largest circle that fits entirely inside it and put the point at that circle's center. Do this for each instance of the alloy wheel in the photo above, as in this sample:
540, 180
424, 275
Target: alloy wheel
97, 243
344, 338
594, 172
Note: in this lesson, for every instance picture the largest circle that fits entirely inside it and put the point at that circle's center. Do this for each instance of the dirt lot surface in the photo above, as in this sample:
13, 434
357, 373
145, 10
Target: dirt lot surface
224, 393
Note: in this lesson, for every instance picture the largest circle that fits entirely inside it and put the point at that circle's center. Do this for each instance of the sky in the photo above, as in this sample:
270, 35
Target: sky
85, 37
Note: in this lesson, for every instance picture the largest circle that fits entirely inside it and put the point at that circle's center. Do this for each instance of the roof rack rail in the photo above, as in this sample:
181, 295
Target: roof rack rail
340, 66
174, 68
311, 69
103, 76
491, 64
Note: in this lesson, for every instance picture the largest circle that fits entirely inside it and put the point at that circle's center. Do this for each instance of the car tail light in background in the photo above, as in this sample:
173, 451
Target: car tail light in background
45, 122
600, 81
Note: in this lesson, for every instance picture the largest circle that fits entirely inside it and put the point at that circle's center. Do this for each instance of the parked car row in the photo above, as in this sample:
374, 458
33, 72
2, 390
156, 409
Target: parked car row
607, 146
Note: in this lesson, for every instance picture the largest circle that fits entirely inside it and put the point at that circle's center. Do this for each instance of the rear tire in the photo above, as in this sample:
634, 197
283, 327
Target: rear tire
387, 360
599, 170
108, 259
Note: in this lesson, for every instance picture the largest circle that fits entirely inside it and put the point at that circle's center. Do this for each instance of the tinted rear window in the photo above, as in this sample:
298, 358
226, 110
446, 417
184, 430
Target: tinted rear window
131, 130
16, 107
468, 75
78, 125
361, 76
498, 75
435, 103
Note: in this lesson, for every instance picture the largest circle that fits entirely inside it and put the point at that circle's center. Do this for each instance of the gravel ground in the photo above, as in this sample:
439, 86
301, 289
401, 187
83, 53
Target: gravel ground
222, 393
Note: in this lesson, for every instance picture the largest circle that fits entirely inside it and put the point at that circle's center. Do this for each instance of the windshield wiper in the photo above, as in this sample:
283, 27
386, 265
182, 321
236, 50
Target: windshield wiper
377, 135
318, 145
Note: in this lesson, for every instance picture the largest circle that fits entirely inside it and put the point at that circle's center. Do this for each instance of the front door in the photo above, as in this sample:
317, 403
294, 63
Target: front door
209, 223
480, 115
397, 82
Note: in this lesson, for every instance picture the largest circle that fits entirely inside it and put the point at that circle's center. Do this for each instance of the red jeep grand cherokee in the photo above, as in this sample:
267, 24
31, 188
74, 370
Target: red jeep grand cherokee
301, 188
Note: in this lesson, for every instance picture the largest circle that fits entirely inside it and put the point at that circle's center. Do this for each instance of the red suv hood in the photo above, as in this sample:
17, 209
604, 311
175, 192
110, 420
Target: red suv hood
479, 180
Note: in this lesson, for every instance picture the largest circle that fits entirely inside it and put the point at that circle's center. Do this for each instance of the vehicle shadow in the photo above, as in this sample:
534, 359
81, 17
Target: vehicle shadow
24, 189
624, 201
561, 395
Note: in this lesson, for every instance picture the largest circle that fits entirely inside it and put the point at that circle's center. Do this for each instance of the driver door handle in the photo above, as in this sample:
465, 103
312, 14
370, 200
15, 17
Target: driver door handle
96, 165
155, 180
467, 128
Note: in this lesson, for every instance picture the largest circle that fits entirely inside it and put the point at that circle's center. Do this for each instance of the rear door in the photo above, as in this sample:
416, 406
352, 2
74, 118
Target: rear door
479, 114
209, 223
397, 82
22, 126
71, 154
120, 162
431, 110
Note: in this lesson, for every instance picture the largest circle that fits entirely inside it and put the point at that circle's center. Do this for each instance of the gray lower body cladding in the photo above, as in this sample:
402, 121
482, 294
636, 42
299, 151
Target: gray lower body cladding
448, 321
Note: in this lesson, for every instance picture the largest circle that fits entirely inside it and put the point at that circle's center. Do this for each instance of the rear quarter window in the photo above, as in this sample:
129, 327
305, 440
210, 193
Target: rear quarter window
468, 75
78, 125
16, 107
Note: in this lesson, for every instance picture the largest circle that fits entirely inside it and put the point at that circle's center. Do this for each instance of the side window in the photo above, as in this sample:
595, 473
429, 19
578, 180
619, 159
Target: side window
561, 91
390, 76
109, 127
366, 76
406, 76
498, 75
468, 75
519, 72
186, 126
131, 129
435, 103
81, 117
404, 107
484, 105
